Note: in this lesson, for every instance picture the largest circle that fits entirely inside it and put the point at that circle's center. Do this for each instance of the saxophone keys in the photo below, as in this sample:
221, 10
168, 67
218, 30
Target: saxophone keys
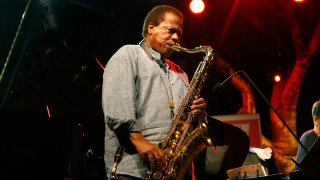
177, 134
157, 176
172, 144
168, 152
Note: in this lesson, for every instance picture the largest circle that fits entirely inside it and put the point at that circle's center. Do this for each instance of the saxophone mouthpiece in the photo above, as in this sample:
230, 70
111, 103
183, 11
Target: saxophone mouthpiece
176, 47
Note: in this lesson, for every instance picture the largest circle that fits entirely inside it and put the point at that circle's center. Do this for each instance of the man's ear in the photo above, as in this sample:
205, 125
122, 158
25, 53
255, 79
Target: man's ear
150, 27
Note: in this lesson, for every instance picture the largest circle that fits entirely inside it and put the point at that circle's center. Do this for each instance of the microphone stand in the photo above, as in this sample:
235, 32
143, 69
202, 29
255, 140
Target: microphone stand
6, 84
273, 109
117, 159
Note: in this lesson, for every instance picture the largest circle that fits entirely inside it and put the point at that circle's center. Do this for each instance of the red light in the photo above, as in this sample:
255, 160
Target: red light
277, 78
48, 111
299, 1
197, 6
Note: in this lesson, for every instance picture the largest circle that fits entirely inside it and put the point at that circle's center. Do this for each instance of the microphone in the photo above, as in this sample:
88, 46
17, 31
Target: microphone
117, 159
220, 85
119, 154
217, 86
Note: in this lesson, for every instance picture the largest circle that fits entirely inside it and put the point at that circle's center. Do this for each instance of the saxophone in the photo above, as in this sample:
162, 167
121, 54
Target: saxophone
180, 146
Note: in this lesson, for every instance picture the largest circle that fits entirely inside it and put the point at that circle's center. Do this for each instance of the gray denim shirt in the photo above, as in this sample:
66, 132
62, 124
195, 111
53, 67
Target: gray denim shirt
136, 91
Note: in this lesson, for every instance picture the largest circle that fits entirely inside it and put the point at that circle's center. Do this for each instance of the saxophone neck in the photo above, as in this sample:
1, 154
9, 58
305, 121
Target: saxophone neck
209, 52
205, 49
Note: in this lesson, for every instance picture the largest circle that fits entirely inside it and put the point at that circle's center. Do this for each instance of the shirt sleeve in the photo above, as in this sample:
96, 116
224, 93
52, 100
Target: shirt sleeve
307, 139
119, 92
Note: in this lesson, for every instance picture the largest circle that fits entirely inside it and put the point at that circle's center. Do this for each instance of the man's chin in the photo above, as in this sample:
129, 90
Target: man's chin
168, 53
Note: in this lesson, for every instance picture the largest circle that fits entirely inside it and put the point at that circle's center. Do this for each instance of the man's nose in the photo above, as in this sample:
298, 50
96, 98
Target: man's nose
175, 37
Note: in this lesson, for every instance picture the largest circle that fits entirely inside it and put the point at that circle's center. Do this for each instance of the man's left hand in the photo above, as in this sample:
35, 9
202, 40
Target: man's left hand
199, 106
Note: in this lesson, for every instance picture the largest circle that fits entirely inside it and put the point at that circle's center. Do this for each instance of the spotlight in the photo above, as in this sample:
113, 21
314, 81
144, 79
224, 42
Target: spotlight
197, 6
299, 1
277, 78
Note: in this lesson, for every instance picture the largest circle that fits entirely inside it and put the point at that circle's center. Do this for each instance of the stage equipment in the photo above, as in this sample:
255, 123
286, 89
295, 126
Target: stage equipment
220, 85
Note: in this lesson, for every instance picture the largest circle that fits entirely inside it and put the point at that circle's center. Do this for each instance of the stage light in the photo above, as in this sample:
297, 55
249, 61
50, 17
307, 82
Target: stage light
197, 6
299, 1
277, 78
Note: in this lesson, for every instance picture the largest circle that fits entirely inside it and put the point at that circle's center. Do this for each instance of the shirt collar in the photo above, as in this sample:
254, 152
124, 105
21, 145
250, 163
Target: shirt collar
155, 54
152, 53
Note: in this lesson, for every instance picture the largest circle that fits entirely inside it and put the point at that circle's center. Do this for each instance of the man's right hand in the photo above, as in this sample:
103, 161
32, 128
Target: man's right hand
150, 153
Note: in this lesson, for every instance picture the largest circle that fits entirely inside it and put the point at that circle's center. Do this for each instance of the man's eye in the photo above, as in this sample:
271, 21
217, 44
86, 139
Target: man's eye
172, 31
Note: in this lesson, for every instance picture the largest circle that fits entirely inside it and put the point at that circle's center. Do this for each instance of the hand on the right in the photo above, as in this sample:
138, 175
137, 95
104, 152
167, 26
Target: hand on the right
150, 153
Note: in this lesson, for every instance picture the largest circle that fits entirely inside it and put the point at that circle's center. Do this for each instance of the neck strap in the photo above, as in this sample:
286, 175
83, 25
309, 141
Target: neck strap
144, 46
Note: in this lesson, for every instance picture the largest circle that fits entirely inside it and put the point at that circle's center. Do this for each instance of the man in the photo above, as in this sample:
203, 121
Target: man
141, 92
309, 137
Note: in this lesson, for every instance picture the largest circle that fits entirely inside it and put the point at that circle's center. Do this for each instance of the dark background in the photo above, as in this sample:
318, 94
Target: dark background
54, 58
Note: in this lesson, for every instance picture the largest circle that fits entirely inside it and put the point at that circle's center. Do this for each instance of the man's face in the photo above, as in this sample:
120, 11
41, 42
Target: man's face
162, 36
